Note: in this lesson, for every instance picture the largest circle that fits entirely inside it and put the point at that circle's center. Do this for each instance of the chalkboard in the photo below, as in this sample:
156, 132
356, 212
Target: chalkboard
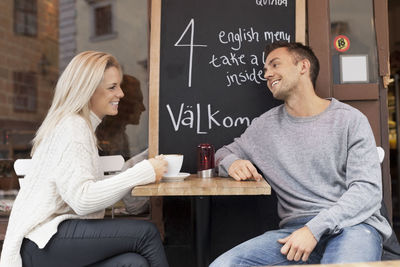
206, 79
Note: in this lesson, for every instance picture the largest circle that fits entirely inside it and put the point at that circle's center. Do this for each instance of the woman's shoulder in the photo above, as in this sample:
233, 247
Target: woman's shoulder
73, 127
71, 133
74, 119
73, 122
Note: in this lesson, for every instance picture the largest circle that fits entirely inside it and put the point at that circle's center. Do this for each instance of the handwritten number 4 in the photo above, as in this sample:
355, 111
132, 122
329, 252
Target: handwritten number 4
191, 45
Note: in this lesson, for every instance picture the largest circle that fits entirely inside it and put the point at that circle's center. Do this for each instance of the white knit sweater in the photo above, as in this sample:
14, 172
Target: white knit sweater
65, 182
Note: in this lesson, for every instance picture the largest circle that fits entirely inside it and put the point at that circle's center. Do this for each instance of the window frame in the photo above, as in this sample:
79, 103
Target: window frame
369, 98
25, 91
24, 30
93, 5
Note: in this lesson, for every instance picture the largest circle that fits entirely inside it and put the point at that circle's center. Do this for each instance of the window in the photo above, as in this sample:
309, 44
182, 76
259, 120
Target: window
102, 20
25, 17
353, 41
25, 87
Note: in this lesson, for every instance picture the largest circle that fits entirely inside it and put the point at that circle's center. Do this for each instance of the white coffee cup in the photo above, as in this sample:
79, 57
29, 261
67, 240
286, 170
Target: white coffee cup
174, 164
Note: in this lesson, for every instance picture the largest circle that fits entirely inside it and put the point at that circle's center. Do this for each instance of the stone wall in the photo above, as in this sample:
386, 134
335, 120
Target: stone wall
67, 26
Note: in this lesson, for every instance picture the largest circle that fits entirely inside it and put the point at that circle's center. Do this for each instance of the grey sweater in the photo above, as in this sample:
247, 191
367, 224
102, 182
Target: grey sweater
324, 166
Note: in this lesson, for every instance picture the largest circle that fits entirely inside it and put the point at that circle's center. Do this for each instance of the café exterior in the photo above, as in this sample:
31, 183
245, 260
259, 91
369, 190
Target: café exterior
38, 38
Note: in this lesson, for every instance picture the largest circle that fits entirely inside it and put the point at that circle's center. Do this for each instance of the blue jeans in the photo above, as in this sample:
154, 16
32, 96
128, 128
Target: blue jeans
358, 243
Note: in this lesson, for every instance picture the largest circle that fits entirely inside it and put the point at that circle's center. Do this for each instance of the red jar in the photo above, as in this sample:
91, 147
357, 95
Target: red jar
205, 160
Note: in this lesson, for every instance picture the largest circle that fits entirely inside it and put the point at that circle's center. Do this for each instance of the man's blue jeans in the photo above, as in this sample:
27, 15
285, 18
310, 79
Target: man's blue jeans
358, 243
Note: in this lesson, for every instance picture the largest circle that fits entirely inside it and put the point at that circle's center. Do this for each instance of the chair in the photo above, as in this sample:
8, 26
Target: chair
381, 153
21, 167
110, 165
391, 247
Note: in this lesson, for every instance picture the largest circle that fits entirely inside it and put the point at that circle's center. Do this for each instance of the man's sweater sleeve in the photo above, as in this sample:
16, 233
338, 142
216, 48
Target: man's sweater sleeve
363, 180
226, 155
76, 182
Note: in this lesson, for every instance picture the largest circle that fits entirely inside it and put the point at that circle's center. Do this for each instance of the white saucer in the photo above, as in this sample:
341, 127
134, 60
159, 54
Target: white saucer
179, 177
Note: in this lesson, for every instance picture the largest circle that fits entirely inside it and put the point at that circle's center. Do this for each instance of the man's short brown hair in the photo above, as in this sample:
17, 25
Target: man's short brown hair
299, 51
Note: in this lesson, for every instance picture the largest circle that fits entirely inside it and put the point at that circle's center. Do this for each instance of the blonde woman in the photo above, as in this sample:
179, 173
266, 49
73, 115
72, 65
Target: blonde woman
57, 218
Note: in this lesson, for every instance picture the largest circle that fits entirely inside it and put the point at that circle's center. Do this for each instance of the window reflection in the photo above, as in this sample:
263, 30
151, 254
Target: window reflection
25, 17
111, 133
353, 33
32, 58
28, 71
103, 17
125, 36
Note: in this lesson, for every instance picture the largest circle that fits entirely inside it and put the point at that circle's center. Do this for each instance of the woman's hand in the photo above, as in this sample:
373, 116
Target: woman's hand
160, 166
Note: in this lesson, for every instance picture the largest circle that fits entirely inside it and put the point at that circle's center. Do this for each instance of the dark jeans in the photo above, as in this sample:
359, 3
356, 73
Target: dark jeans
121, 243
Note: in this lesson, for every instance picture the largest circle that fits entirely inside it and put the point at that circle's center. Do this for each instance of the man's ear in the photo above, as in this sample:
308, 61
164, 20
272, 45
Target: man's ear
305, 66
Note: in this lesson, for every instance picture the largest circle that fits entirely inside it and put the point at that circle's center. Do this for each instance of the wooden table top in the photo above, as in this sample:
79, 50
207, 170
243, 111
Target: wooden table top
194, 186
362, 264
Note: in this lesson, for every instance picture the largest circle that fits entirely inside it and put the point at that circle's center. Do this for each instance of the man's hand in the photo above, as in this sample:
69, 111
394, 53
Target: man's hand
243, 170
298, 245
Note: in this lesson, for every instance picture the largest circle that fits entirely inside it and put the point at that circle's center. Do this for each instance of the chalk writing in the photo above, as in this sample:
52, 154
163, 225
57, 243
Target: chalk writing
271, 2
276, 36
244, 76
190, 116
231, 60
251, 64
191, 45
241, 35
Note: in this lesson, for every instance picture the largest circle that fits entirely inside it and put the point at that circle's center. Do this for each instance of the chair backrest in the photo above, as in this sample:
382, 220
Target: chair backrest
21, 166
112, 163
381, 153
107, 163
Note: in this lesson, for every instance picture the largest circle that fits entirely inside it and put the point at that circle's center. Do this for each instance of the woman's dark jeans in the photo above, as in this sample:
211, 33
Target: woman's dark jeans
122, 243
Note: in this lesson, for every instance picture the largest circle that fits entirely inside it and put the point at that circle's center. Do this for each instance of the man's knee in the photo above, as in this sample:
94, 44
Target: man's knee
223, 261
341, 248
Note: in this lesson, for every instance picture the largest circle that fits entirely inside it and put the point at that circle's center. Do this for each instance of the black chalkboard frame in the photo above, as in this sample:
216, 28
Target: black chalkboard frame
154, 64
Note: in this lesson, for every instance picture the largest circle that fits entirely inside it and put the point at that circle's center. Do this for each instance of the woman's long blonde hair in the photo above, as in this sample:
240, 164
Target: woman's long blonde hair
74, 89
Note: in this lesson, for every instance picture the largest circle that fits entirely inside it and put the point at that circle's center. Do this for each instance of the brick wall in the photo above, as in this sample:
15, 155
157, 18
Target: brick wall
33, 55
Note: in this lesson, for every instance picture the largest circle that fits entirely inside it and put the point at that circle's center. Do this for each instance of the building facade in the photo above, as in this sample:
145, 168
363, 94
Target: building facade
119, 28
28, 67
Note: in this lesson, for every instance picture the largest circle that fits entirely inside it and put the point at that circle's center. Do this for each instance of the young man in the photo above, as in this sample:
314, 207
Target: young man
320, 157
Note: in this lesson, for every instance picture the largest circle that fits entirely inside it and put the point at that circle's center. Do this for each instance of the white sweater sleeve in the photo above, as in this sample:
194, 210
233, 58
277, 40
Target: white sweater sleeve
83, 192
